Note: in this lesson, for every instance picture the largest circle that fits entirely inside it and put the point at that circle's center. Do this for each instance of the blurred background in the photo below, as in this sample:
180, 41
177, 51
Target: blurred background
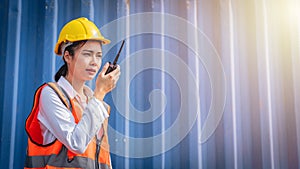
242, 53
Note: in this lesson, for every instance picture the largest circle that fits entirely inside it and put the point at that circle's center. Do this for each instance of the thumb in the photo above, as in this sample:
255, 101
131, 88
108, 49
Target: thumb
104, 69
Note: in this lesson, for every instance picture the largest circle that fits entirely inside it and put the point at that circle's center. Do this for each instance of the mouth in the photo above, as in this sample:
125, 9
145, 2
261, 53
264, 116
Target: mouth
91, 71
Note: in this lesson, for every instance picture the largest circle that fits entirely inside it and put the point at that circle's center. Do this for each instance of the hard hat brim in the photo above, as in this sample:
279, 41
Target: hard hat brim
58, 51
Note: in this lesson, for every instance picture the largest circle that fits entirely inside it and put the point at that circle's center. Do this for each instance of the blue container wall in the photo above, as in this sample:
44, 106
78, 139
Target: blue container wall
244, 54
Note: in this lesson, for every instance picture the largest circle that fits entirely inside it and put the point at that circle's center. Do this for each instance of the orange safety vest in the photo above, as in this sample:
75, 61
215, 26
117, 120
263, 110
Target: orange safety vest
56, 155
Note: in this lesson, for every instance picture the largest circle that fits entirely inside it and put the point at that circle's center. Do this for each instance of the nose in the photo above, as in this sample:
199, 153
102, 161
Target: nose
94, 60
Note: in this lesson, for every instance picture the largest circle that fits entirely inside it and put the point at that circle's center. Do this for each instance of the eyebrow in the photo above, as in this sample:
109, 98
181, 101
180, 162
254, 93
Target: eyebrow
85, 50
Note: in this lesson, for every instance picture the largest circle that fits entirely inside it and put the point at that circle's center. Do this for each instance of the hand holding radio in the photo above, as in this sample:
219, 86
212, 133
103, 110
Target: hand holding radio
108, 77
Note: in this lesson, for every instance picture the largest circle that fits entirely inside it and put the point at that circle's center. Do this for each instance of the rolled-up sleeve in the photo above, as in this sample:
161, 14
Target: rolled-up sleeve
58, 121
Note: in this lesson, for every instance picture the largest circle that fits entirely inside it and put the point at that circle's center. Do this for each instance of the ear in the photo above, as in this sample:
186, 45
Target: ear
67, 57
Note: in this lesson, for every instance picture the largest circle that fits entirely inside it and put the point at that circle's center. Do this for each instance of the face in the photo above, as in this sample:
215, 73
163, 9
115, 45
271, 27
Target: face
86, 61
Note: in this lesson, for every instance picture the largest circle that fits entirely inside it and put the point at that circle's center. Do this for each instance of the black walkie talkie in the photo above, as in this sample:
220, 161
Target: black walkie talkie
114, 65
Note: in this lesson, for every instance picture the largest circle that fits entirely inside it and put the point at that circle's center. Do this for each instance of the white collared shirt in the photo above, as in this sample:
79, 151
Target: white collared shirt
58, 122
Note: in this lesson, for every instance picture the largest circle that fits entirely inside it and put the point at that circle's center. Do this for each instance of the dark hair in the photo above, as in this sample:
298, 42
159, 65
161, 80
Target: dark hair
63, 70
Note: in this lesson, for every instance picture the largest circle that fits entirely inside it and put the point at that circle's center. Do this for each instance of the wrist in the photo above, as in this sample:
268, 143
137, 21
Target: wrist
99, 95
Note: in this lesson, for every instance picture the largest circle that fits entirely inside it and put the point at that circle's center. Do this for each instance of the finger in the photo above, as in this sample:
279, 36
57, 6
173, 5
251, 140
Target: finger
116, 80
104, 69
116, 76
112, 86
116, 71
110, 76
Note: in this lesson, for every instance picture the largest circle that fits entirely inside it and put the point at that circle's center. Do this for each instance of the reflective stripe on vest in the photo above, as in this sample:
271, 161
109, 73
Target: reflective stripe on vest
55, 154
61, 161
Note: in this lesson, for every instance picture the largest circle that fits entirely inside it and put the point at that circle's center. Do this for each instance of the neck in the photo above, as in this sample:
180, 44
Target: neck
77, 84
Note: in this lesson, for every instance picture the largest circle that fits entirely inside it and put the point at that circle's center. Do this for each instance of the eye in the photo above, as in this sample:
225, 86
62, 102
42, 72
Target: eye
86, 54
99, 56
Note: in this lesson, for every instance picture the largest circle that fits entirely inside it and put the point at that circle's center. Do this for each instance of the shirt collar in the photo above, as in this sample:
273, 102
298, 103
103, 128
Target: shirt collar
64, 83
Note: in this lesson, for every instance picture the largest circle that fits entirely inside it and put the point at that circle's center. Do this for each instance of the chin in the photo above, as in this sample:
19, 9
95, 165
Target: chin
88, 78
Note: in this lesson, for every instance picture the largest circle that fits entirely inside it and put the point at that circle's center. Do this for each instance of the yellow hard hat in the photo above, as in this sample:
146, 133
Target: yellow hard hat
79, 29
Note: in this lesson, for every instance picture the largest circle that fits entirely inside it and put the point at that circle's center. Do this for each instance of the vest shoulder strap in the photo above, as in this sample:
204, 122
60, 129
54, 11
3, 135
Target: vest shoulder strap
63, 96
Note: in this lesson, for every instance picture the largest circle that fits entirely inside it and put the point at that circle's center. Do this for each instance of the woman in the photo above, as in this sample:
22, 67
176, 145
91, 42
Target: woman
67, 125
